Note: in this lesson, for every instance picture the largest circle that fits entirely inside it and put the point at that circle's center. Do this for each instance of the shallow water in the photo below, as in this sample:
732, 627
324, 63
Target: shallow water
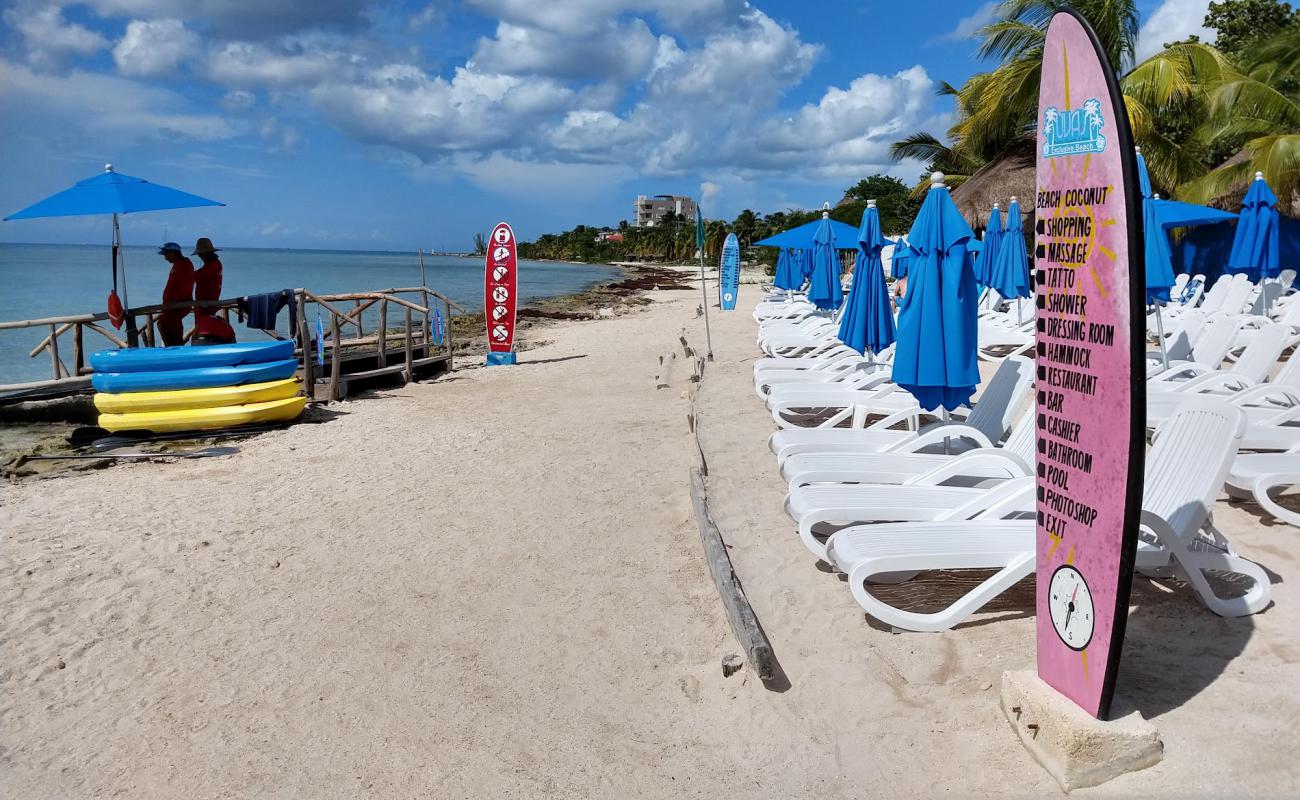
56, 280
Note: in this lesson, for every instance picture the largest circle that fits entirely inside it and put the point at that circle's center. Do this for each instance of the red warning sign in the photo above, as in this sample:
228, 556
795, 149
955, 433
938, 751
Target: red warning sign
500, 289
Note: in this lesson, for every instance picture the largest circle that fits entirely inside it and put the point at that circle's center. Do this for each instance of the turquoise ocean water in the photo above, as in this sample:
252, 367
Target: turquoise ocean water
54, 280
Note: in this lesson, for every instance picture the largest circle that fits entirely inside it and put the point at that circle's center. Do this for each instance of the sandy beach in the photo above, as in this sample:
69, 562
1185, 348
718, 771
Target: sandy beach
492, 585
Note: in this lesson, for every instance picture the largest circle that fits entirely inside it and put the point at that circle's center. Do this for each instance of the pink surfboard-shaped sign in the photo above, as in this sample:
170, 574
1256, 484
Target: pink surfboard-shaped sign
1091, 399
500, 293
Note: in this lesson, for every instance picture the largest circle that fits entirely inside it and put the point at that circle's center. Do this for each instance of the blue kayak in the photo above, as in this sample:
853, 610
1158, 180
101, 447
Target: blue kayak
159, 359
202, 378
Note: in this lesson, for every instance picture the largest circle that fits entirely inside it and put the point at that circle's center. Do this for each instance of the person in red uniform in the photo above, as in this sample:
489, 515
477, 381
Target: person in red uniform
208, 327
179, 289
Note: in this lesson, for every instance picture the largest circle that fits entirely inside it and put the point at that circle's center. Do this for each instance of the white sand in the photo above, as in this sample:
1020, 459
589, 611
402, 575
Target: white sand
492, 586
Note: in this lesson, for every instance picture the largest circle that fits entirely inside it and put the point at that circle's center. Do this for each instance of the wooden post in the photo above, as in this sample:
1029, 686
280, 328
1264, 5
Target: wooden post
335, 364
360, 332
78, 352
410, 354
54, 351
308, 352
451, 349
382, 335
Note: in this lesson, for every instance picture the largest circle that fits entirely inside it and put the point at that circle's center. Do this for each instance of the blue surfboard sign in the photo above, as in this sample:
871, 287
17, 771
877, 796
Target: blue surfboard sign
729, 273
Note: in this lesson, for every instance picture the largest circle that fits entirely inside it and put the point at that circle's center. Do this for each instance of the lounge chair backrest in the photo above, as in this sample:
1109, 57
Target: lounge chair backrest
1213, 345
1002, 398
1189, 461
1269, 292
1213, 299
1180, 283
1289, 375
1262, 353
1240, 292
1192, 294
1291, 315
1285, 278
1022, 440
1179, 347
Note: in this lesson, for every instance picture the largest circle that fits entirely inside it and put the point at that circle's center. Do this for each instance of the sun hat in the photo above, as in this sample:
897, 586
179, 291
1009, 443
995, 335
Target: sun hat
170, 246
203, 245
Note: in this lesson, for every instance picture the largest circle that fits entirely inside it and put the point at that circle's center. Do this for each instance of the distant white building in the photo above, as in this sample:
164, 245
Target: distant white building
650, 210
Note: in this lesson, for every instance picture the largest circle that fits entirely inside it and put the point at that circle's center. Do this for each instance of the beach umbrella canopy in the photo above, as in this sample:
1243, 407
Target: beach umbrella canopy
1255, 245
112, 193
1009, 273
824, 290
789, 272
1172, 214
868, 321
901, 258
843, 237
804, 259
935, 356
992, 241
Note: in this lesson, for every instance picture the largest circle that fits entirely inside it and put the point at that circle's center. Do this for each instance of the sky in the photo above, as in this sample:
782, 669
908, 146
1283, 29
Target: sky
400, 125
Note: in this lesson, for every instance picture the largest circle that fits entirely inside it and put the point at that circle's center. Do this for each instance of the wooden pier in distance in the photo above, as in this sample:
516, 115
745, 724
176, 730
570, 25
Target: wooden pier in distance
405, 342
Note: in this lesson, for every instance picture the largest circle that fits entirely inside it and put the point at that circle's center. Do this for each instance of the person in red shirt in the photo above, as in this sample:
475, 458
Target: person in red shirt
208, 327
179, 289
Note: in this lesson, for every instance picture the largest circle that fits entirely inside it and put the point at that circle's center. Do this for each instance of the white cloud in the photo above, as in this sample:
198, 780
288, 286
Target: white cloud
578, 16
1171, 21
155, 48
245, 19
530, 179
249, 65
48, 38
238, 100
107, 106
970, 25
612, 51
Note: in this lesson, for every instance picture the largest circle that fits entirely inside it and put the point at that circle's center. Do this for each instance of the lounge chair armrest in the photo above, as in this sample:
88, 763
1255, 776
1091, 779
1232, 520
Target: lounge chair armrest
995, 460
936, 435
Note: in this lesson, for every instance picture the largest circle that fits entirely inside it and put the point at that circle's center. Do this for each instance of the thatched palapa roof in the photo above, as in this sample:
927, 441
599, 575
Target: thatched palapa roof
1012, 173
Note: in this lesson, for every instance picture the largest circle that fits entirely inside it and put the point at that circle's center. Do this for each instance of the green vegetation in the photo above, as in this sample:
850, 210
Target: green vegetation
673, 239
1206, 118
480, 243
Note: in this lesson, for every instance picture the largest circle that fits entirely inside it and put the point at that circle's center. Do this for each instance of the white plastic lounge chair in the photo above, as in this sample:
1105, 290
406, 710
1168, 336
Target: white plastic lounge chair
1185, 471
1257, 474
1208, 352
990, 417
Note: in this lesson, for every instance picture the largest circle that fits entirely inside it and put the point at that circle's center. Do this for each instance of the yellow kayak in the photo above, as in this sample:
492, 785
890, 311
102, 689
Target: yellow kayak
182, 399
198, 419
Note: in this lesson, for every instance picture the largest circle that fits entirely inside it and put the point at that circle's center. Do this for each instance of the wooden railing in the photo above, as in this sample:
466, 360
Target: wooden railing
415, 332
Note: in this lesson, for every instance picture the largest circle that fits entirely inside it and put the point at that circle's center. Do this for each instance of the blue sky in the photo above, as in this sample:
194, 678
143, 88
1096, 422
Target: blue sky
389, 125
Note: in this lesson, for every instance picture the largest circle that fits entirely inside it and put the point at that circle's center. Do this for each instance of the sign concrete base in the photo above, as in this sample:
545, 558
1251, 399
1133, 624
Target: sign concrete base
1075, 749
501, 359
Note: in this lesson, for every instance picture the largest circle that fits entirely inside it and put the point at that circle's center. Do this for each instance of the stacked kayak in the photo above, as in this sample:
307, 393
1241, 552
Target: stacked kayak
164, 389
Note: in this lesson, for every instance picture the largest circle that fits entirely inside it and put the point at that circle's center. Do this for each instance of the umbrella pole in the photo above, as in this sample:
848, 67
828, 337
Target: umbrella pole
704, 292
132, 334
944, 416
1160, 333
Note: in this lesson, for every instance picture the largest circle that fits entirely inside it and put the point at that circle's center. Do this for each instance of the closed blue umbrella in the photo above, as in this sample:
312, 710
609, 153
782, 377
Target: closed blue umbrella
113, 193
1255, 245
789, 275
868, 321
824, 290
1159, 259
1009, 273
935, 356
992, 244
902, 256
805, 261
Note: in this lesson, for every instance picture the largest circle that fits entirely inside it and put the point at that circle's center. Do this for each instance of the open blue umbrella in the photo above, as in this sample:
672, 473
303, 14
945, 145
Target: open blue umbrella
113, 193
1009, 273
844, 236
789, 273
824, 290
1255, 245
935, 356
992, 244
868, 321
